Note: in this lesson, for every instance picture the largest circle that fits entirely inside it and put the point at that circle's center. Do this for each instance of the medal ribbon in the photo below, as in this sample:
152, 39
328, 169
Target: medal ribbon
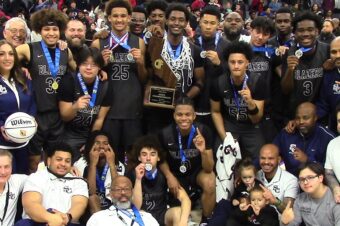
119, 42
151, 175
6, 205
52, 67
236, 99
303, 49
217, 38
268, 50
135, 217
191, 137
177, 52
86, 92
100, 181
286, 43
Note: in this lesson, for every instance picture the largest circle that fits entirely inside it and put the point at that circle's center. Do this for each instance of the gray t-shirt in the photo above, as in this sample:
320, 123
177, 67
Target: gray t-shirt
316, 212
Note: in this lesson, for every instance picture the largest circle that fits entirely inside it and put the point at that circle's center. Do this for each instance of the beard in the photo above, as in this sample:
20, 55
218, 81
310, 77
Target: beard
122, 205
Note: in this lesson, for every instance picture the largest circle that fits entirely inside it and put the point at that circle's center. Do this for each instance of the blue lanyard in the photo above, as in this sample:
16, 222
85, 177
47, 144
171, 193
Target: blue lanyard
136, 215
52, 67
217, 38
236, 95
100, 181
191, 137
86, 92
268, 50
286, 43
119, 42
303, 49
151, 175
177, 52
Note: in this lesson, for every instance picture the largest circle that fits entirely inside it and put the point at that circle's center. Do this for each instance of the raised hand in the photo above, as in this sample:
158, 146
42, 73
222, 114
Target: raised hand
199, 141
268, 195
140, 171
288, 213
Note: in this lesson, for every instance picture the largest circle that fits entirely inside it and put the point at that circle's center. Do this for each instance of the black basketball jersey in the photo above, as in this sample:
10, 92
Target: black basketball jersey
70, 91
308, 75
42, 80
125, 87
169, 140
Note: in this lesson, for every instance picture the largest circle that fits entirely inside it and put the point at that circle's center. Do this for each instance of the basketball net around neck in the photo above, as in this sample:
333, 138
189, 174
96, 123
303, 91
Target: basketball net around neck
183, 62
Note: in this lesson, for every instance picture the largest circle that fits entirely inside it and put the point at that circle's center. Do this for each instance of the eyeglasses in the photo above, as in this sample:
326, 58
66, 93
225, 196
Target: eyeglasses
15, 31
120, 190
91, 65
303, 180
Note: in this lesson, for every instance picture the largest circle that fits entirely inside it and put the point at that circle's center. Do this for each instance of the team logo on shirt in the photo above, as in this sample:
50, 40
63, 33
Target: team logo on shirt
3, 90
336, 88
292, 148
276, 189
67, 189
11, 195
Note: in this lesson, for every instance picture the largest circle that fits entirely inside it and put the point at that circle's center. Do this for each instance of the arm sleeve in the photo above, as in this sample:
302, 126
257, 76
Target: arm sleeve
322, 106
336, 214
66, 89
292, 188
80, 188
33, 184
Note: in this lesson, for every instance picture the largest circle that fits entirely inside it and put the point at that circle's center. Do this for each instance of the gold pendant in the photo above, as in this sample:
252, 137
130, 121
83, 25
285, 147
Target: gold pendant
55, 85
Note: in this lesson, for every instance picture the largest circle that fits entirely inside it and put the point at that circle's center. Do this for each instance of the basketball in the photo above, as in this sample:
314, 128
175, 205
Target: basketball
20, 127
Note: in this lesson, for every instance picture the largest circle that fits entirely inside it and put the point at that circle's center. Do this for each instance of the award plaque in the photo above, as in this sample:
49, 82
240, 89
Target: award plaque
161, 97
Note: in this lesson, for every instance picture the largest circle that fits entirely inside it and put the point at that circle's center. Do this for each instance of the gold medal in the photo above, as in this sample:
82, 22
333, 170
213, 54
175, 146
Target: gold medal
55, 85
158, 64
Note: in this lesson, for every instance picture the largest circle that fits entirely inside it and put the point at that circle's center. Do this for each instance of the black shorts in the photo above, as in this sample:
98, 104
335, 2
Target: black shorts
50, 129
190, 185
76, 140
123, 133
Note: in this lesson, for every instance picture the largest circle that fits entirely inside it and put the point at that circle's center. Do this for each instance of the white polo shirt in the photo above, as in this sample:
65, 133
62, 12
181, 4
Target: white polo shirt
333, 156
110, 217
56, 192
283, 184
12, 190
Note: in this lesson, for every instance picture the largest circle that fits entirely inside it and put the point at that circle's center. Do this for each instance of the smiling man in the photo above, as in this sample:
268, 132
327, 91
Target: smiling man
47, 63
138, 21
302, 67
307, 143
122, 212
15, 31
75, 35
53, 196
174, 63
280, 186
123, 53
330, 90
10, 188
189, 163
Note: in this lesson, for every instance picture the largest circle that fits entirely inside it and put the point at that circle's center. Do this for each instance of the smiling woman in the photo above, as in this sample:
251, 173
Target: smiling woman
15, 96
